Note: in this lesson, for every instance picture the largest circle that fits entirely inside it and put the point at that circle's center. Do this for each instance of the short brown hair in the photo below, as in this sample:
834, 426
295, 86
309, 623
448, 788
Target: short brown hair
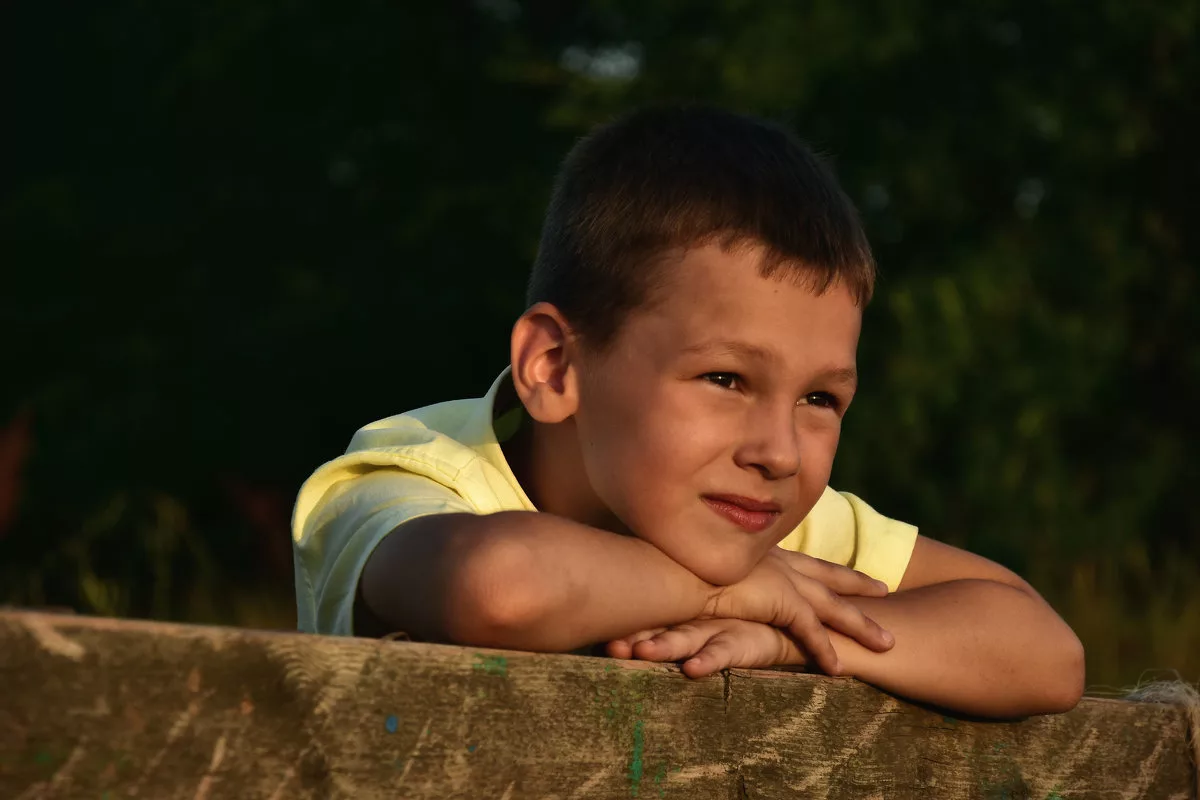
668, 177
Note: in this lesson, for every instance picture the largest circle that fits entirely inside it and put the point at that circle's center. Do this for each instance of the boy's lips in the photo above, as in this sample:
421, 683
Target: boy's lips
745, 512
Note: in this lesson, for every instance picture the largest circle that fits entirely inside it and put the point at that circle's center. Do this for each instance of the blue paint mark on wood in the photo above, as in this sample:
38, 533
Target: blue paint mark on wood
391, 724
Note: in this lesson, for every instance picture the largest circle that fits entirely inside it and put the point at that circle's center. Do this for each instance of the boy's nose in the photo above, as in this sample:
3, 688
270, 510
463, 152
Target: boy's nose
772, 443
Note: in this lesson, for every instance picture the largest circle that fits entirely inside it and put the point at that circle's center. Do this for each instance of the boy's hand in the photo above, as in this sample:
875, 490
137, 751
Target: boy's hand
706, 646
801, 595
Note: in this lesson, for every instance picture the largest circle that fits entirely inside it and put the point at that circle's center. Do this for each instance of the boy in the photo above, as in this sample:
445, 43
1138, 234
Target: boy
670, 416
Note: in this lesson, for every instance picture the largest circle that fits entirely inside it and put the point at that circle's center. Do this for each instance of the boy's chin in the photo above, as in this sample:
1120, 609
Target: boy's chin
724, 571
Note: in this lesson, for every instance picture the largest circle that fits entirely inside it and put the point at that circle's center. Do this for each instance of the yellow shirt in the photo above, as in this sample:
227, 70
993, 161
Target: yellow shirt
445, 458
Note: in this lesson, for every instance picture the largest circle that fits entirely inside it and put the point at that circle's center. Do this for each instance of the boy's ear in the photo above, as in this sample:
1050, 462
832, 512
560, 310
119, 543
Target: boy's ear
544, 372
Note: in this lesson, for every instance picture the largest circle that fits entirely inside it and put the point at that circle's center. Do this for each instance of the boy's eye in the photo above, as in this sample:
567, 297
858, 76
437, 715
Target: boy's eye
821, 400
726, 380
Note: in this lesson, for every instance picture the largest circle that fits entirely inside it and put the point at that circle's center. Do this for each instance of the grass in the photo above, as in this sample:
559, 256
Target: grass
1136, 619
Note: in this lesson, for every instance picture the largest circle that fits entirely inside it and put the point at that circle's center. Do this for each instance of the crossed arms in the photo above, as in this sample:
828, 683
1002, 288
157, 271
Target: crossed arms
962, 632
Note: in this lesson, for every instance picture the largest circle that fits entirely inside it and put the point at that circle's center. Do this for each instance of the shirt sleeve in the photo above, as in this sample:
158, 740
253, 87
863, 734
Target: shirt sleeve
333, 541
843, 529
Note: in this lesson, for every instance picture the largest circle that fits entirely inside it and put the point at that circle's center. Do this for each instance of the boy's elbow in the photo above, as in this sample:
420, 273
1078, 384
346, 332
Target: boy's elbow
494, 598
1062, 669
1066, 674
455, 579
1074, 672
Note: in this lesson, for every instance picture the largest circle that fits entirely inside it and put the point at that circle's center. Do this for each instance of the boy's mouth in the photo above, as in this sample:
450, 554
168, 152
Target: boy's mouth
745, 512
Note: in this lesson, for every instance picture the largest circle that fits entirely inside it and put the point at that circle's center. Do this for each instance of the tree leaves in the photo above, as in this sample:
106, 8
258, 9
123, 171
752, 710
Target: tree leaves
217, 213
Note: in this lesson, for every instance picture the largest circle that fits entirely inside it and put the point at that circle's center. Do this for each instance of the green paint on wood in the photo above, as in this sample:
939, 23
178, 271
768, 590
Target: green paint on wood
492, 665
660, 775
635, 761
621, 695
1011, 787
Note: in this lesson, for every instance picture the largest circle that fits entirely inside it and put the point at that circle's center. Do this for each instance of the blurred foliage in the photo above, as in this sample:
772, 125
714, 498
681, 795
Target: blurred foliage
216, 216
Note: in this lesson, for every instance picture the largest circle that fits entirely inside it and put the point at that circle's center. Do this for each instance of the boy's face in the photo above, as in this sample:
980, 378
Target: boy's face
709, 427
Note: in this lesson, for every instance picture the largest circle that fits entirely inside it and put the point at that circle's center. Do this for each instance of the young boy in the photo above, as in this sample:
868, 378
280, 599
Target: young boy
651, 470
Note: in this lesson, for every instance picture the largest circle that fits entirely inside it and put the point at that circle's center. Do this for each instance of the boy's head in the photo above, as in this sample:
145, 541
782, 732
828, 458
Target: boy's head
689, 350
666, 178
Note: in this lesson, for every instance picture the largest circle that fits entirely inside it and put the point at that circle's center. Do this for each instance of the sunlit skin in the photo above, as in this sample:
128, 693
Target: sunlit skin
708, 427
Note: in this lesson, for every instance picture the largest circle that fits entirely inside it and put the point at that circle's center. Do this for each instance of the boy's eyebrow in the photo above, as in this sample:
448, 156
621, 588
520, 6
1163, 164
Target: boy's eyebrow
750, 351
846, 375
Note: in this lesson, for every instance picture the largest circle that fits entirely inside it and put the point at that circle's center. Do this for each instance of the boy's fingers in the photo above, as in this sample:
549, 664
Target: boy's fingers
624, 647
844, 580
642, 636
672, 645
720, 652
813, 637
702, 665
852, 582
847, 618
619, 648
840, 579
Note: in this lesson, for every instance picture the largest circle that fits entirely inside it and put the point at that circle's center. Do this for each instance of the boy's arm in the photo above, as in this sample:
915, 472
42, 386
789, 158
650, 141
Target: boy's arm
534, 581
522, 580
970, 635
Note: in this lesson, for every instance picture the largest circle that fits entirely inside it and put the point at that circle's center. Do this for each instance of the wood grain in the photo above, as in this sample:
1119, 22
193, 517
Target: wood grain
108, 709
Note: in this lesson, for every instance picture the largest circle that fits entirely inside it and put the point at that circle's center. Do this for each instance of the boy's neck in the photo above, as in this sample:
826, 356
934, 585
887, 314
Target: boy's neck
545, 460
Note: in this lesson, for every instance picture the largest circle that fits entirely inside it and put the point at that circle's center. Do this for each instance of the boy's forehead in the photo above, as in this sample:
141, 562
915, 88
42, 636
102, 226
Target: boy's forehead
712, 284
717, 303
733, 270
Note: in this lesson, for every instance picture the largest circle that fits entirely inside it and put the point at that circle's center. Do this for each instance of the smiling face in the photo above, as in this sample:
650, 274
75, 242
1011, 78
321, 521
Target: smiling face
708, 427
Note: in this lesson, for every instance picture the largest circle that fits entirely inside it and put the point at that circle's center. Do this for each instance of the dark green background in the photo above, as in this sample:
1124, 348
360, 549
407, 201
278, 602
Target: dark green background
218, 217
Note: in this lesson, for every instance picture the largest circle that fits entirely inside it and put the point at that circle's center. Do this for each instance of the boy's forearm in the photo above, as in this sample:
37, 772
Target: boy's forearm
971, 645
528, 581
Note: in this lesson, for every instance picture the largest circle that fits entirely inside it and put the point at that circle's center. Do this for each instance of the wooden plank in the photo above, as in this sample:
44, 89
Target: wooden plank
111, 709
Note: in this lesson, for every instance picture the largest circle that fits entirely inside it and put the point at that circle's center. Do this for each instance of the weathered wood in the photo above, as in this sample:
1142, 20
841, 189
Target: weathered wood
111, 709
